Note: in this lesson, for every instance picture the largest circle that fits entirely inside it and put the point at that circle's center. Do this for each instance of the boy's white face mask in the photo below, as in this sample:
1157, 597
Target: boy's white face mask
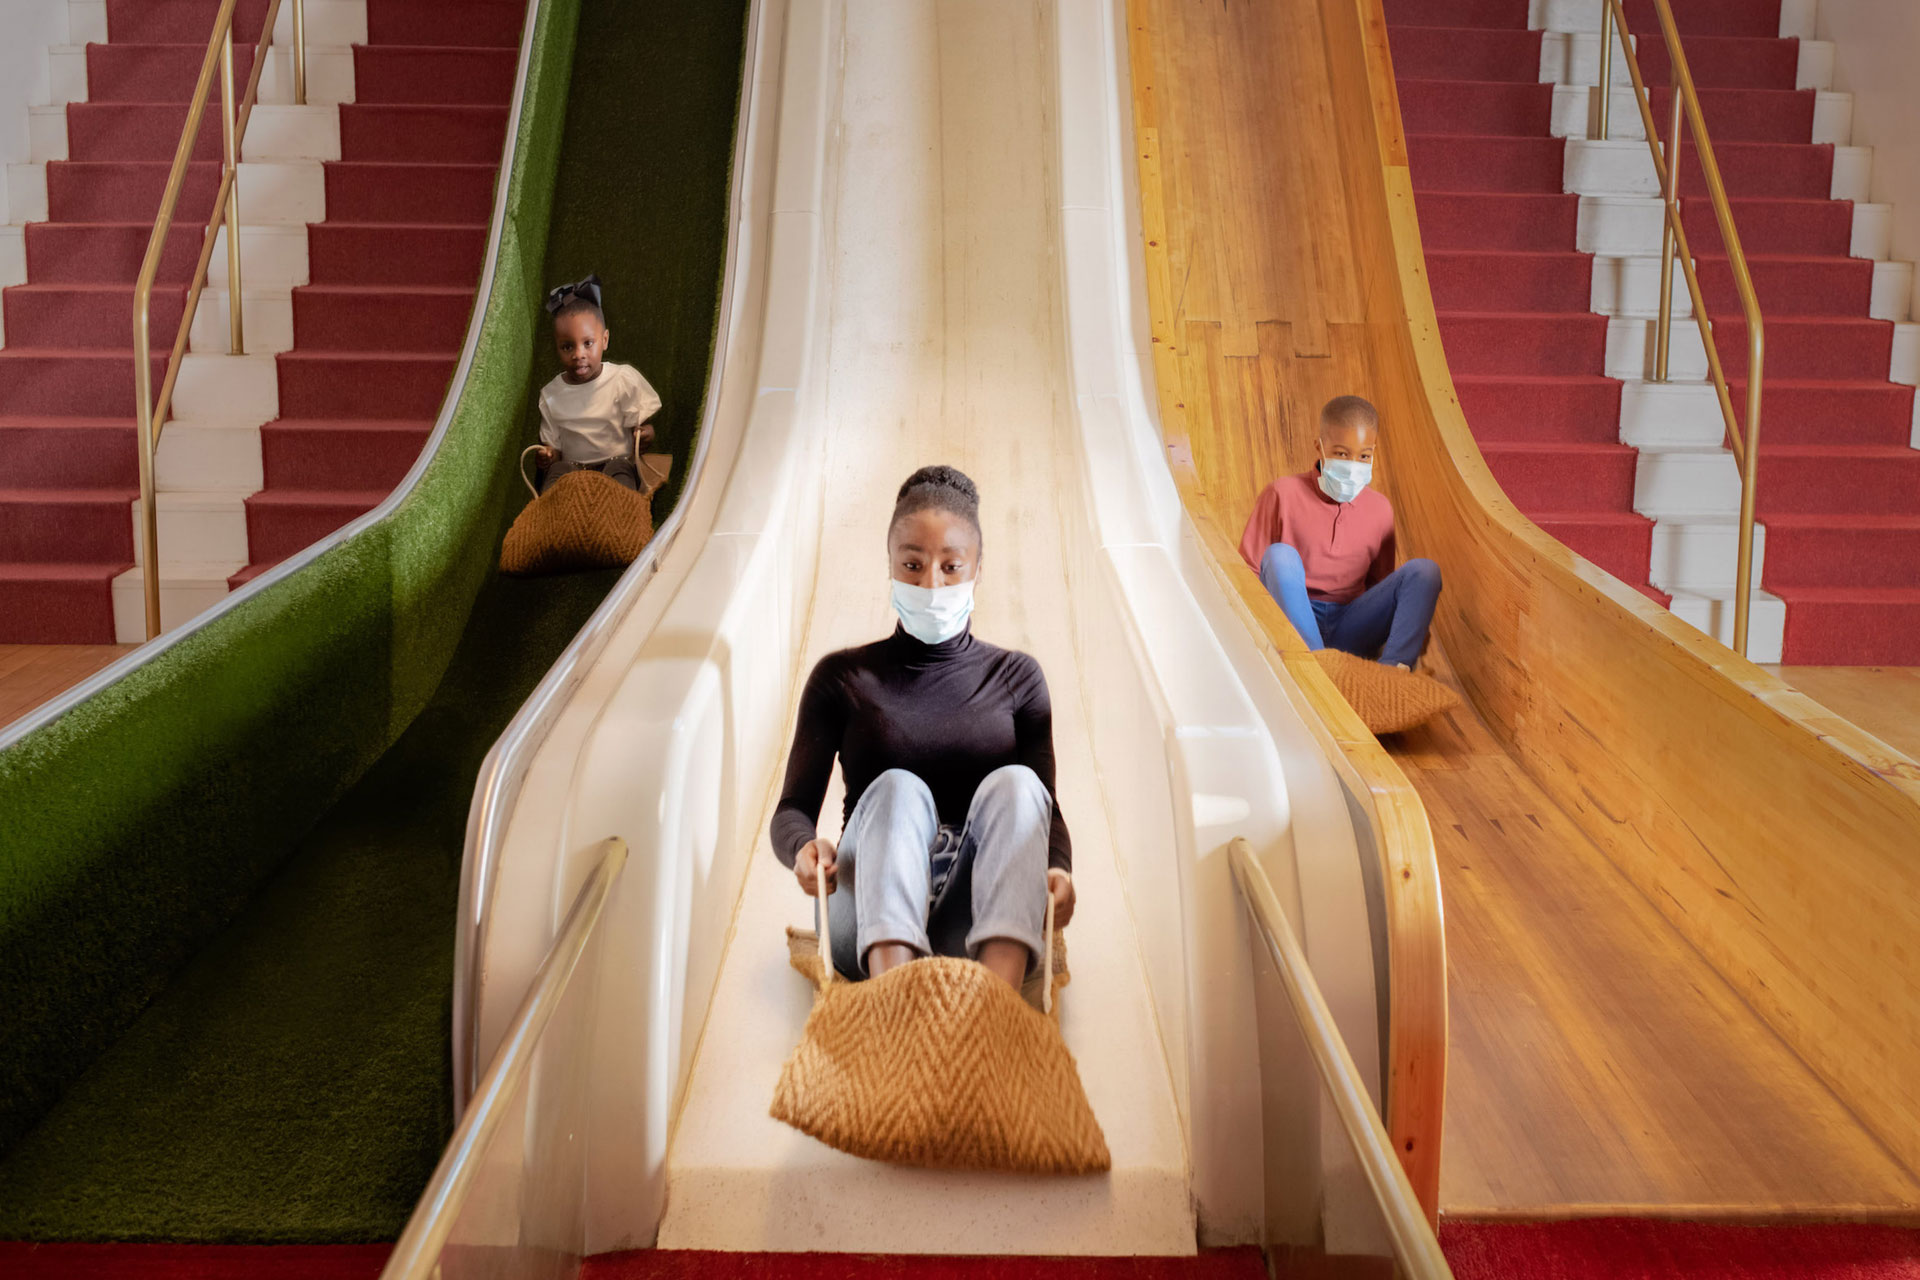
1342, 479
933, 614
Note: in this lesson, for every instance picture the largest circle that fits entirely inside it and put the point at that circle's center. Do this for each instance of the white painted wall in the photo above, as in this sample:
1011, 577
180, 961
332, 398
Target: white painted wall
1874, 43
29, 26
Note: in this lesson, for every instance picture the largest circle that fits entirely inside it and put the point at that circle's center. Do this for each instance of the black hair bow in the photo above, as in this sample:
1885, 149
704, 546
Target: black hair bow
560, 296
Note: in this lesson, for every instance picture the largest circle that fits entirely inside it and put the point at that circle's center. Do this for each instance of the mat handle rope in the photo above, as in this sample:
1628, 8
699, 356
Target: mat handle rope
650, 479
826, 941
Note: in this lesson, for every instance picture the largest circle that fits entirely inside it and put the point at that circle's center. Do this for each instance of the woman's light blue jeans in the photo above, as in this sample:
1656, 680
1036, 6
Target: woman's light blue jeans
1389, 621
995, 886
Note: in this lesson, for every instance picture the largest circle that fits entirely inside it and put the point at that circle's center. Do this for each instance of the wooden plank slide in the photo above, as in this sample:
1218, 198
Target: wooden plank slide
1683, 897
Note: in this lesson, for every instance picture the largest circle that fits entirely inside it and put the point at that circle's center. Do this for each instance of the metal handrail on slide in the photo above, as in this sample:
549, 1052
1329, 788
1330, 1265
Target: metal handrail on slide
1673, 240
1414, 1246
416, 1256
150, 415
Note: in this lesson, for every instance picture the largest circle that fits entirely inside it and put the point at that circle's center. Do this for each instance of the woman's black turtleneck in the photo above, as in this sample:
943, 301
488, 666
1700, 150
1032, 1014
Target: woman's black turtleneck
951, 713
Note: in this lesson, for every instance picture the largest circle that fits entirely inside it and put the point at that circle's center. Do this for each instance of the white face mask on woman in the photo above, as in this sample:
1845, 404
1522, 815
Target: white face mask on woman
933, 614
1342, 479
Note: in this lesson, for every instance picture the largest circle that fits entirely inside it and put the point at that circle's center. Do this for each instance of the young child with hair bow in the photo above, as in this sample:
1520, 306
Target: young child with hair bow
594, 414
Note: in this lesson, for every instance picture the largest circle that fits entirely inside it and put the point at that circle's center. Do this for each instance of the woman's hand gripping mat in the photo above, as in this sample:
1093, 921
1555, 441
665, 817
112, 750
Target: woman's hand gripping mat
584, 521
1387, 699
939, 1063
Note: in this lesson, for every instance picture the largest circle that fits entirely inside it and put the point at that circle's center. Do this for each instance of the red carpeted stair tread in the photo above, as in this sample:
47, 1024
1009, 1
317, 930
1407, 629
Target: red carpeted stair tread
1568, 408
1792, 170
1620, 542
1509, 14
1852, 626
1518, 221
477, 23
1718, 62
49, 451
66, 524
1753, 18
1523, 342
362, 384
57, 603
181, 21
1466, 53
367, 454
105, 252
281, 522
157, 72
89, 384
135, 131
363, 191
1491, 280
1623, 1248
1564, 478
1839, 480
1749, 115
1848, 551
419, 73
1790, 226
378, 253
1835, 348
127, 191
691, 1264
1475, 106
424, 133
87, 315
336, 317
1790, 285
1811, 411
1445, 162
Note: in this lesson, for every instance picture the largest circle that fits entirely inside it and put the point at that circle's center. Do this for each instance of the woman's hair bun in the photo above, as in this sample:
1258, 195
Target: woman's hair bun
939, 488
941, 477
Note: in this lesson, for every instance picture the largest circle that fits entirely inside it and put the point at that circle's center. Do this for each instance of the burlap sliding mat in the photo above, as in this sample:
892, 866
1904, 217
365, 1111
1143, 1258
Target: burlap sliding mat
1387, 698
584, 521
938, 1063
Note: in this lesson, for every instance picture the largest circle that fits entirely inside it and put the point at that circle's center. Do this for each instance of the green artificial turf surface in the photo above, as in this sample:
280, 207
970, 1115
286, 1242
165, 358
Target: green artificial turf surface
290, 1082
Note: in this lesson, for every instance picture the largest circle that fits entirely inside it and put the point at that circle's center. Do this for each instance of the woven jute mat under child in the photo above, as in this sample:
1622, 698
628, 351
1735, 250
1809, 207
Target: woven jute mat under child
938, 1063
583, 521
1387, 698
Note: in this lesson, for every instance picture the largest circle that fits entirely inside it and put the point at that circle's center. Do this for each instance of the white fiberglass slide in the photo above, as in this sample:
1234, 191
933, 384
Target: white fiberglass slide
933, 261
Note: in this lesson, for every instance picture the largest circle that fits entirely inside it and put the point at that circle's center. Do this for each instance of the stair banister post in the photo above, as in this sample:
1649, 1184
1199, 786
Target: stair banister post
299, 53
1606, 64
229, 110
1663, 336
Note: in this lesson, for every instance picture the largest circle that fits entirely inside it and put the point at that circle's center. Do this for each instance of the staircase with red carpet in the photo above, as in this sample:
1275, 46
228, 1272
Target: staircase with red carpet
364, 219
394, 267
1542, 247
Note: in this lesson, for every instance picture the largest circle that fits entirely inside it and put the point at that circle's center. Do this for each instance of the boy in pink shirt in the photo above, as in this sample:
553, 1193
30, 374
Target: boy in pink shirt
1322, 542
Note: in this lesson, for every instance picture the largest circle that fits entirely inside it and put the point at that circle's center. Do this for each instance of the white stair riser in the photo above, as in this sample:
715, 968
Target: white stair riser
198, 455
13, 256
1671, 415
1713, 614
1574, 58
1630, 349
1796, 17
66, 74
329, 75
266, 322
181, 599
46, 134
1702, 555
1625, 168
196, 527
1872, 231
1574, 115
1678, 482
274, 133
228, 388
271, 257
87, 21
1906, 355
26, 193
1631, 286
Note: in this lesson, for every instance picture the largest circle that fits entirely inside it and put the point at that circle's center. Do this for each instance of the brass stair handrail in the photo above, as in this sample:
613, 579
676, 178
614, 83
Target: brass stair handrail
150, 415
1673, 242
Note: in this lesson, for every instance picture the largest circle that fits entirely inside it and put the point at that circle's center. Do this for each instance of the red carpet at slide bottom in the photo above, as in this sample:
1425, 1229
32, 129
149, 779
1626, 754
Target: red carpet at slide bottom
695, 1264
1645, 1249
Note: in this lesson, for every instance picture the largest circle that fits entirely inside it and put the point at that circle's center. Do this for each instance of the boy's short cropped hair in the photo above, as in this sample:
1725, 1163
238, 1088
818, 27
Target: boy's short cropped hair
1350, 411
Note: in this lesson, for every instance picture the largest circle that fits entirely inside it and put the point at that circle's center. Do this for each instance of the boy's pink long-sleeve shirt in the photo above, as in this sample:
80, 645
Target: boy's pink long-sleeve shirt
1345, 546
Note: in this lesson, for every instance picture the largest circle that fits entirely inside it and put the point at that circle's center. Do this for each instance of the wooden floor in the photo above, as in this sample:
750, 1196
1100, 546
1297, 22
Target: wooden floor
32, 673
1885, 701
1596, 1059
1597, 1062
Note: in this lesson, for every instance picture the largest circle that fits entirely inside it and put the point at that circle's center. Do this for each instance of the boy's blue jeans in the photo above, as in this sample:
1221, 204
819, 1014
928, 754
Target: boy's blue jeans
1390, 621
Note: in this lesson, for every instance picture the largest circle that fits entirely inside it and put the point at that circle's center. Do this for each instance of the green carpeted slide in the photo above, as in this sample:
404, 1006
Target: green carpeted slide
289, 1081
